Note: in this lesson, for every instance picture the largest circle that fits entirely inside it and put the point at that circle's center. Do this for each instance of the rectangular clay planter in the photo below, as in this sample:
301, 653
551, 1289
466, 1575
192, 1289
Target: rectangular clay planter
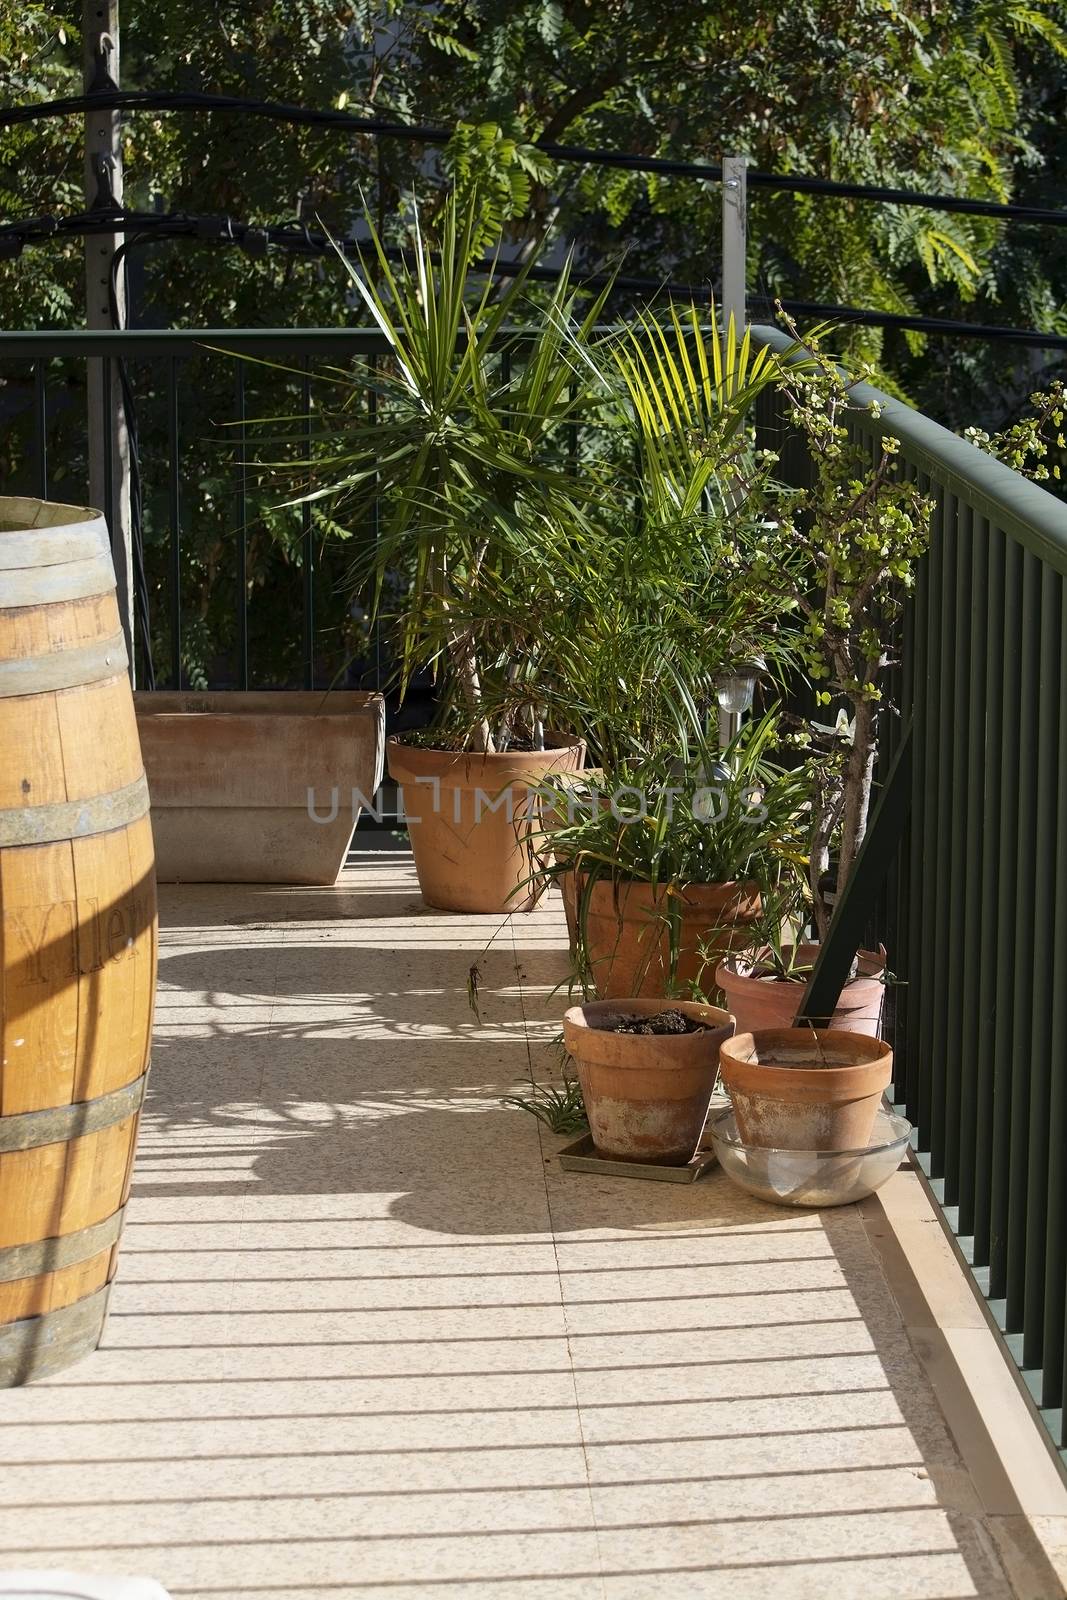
258, 787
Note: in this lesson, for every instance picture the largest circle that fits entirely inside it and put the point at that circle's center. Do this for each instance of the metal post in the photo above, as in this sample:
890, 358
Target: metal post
109, 449
734, 240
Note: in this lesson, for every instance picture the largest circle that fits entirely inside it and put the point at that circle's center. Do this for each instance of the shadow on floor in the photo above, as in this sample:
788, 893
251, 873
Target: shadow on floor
394, 1097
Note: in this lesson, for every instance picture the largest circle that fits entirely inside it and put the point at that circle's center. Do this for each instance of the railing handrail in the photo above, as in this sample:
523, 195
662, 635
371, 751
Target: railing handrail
1020, 508
1036, 519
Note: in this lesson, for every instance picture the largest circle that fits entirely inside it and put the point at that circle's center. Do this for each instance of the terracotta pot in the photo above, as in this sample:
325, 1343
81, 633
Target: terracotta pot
767, 1002
805, 1088
646, 1095
628, 942
473, 821
569, 896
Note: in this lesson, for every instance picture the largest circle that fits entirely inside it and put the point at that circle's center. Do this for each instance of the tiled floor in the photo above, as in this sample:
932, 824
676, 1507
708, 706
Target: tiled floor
369, 1340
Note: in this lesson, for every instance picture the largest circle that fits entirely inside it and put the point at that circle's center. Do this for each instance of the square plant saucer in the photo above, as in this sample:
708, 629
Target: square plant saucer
582, 1157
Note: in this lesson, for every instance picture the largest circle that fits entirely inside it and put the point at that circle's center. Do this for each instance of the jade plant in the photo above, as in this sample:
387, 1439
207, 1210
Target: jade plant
1035, 444
859, 530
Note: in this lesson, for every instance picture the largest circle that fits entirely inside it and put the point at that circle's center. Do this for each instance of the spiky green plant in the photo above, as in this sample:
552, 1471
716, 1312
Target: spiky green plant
458, 435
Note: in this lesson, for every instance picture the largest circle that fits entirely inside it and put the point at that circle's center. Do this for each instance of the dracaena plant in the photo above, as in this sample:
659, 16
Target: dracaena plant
458, 436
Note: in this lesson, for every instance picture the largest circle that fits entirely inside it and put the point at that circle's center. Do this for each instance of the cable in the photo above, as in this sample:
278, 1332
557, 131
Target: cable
895, 320
151, 227
129, 407
280, 111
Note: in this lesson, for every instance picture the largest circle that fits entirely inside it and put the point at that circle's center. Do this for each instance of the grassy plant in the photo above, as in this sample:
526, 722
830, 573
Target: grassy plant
701, 817
560, 1108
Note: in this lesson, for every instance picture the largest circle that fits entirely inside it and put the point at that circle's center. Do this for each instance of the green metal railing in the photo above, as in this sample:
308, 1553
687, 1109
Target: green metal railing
968, 854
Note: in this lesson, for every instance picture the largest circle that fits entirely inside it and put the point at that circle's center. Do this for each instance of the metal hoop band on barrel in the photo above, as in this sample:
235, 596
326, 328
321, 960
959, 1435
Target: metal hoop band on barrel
46, 586
55, 546
56, 1124
64, 669
75, 819
63, 1250
35, 1346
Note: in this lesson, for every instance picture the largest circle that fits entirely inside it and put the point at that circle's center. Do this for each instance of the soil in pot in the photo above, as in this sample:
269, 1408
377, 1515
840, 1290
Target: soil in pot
628, 940
646, 1093
759, 999
663, 1023
474, 819
805, 1088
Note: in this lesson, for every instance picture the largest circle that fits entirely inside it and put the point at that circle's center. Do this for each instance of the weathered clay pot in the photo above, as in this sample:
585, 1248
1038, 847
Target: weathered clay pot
805, 1088
473, 821
767, 1002
628, 943
646, 1095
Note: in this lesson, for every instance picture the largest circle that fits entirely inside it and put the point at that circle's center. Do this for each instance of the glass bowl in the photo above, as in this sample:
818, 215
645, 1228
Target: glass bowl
811, 1177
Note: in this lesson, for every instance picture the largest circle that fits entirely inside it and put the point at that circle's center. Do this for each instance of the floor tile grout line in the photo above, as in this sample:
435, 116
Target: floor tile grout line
258, 1129
594, 1520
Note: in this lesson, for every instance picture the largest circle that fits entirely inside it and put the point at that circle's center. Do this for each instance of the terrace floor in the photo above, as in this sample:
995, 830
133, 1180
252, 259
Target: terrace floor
369, 1340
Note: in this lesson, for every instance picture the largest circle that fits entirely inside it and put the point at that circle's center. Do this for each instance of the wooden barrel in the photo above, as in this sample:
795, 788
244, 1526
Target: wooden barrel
77, 934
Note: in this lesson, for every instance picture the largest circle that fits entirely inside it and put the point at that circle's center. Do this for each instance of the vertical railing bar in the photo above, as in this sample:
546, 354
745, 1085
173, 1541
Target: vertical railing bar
175, 510
948, 979
40, 426
1008, 890
1043, 977
968, 974
918, 865
1023, 876
996, 649
899, 947
242, 526
376, 533
308, 544
930, 1067
1054, 1342
106, 380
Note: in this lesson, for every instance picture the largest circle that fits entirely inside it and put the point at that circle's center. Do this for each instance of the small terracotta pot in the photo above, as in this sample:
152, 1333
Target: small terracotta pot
646, 1095
628, 942
767, 1002
805, 1088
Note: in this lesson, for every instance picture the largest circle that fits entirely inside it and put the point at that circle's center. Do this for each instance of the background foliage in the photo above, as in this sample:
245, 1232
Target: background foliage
966, 96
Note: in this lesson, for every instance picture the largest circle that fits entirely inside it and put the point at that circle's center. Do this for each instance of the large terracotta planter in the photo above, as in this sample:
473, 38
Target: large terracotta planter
474, 820
767, 1002
627, 940
260, 787
646, 1096
805, 1088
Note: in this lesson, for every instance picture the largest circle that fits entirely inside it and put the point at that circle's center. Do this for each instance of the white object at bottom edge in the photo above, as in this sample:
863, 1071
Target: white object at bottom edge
77, 1586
